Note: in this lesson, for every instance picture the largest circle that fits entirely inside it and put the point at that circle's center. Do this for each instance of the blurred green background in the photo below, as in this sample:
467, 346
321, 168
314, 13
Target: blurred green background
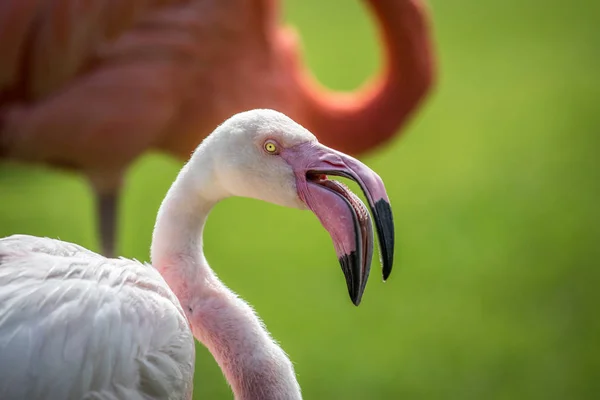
494, 187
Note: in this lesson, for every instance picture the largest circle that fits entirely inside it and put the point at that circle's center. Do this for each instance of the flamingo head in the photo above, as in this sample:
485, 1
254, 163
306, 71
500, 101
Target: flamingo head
265, 155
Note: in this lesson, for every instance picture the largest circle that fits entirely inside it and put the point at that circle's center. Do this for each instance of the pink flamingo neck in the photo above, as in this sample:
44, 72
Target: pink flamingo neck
253, 364
367, 118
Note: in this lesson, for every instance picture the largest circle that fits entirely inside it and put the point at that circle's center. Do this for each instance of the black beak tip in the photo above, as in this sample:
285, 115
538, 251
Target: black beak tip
386, 272
385, 230
350, 267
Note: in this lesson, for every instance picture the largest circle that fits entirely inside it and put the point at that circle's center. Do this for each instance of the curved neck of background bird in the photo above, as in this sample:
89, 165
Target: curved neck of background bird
254, 365
384, 104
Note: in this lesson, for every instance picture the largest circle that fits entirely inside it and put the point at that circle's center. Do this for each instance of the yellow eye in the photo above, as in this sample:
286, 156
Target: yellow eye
270, 147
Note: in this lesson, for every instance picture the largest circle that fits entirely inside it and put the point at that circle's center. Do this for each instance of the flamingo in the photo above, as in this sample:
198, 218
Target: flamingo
77, 325
90, 86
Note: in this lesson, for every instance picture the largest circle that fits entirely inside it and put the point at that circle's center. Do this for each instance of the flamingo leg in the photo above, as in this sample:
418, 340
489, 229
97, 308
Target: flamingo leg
107, 210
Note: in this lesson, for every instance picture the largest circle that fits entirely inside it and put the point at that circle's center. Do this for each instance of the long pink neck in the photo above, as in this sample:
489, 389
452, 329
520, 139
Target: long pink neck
254, 366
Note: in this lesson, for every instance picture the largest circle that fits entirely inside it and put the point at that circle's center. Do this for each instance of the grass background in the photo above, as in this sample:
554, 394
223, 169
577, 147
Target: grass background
495, 190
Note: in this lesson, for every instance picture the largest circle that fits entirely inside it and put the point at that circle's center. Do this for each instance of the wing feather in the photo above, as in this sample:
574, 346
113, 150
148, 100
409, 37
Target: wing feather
53, 40
74, 325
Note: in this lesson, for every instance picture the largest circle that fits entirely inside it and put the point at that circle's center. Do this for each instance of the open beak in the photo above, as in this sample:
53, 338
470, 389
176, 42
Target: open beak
342, 213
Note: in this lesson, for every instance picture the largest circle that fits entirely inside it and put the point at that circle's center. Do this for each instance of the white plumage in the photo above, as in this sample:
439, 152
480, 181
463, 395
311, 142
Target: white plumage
76, 325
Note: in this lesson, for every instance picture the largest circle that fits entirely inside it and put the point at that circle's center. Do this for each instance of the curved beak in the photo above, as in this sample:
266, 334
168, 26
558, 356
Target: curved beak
342, 213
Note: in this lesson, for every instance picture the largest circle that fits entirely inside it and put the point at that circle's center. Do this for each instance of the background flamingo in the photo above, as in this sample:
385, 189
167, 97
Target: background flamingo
84, 326
90, 86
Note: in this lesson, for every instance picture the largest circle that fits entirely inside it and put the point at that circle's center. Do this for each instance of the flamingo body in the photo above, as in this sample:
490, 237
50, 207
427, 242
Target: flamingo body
76, 325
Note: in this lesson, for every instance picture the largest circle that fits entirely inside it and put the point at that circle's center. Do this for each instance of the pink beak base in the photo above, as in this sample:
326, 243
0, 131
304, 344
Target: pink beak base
342, 213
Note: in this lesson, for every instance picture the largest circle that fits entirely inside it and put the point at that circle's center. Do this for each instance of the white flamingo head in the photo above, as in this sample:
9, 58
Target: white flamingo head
265, 155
